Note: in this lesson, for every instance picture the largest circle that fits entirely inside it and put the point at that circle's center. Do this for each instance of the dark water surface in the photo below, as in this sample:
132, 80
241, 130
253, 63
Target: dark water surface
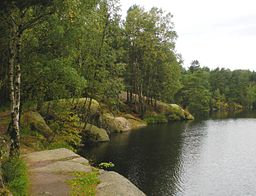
210, 157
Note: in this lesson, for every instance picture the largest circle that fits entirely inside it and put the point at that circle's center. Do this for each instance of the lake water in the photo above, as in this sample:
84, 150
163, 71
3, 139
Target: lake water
208, 157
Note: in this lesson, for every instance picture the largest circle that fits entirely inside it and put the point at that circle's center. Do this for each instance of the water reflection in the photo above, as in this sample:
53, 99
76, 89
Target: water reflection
212, 157
150, 157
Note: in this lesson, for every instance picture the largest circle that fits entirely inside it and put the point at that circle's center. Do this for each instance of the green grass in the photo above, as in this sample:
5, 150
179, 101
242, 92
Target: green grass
84, 183
28, 132
156, 119
59, 144
16, 176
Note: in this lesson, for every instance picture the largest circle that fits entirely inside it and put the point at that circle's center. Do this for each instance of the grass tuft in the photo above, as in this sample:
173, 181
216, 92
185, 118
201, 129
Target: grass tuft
16, 176
84, 183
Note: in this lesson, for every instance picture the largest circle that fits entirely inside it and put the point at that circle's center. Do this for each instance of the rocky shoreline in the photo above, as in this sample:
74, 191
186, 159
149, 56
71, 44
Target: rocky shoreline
50, 170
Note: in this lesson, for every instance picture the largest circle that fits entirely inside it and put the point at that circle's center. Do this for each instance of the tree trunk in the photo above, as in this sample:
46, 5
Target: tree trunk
15, 79
1, 179
87, 117
127, 97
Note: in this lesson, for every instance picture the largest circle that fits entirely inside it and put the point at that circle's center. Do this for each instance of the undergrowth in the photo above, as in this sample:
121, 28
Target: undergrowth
16, 176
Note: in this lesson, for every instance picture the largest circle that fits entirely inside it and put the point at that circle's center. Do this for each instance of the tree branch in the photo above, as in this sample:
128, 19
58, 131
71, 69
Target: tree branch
35, 21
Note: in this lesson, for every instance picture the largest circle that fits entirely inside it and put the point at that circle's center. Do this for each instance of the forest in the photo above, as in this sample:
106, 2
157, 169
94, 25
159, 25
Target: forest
53, 50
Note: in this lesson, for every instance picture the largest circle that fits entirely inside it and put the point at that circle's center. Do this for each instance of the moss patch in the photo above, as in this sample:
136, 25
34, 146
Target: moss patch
84, 183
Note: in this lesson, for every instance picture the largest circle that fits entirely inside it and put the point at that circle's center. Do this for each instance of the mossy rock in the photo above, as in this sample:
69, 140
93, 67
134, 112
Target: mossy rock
115, 124
35, 122
189, 116
95, 134
173, 111
135, 123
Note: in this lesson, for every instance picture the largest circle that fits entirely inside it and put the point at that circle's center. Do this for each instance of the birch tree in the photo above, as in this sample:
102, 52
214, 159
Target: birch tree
20, 17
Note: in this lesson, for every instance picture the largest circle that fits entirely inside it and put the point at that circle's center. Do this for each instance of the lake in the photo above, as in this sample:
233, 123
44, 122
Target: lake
208, 157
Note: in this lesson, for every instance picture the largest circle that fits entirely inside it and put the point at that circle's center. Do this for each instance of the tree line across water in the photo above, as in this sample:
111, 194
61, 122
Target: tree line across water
52, 49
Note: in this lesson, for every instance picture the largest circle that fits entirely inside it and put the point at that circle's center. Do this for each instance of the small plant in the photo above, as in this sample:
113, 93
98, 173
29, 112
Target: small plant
84, 183
106, 165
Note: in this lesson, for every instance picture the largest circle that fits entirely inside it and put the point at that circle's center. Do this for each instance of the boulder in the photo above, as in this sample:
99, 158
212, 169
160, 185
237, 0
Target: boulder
63, 166
135, 123
122, 123
96, 134
50, 155
50, 170
112, 183
173, 112
189, 116
35, 122
115, 124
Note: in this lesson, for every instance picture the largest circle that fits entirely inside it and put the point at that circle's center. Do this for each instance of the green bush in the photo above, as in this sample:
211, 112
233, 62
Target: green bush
16, 176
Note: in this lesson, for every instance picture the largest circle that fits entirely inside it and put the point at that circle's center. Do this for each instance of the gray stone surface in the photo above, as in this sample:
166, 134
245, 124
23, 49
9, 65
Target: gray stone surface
113, 183
51, 155
49, 171
81, 160
63, 166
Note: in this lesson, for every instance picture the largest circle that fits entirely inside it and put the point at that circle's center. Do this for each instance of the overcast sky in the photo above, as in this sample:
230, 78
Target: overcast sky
218, 33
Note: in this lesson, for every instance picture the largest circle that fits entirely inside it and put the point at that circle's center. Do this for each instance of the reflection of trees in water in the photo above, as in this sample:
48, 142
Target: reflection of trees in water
155, 161
233, 114
151, 157
172, 159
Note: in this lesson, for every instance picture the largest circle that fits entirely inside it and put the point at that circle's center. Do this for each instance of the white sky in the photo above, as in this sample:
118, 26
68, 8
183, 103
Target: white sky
218, 33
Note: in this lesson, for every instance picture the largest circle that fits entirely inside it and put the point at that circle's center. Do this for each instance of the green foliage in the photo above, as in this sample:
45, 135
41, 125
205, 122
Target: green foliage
26, 131
4, 149
84, 183
153, 68
106, 165
84, 49
155, 119
60, 143
195, 94
16, 176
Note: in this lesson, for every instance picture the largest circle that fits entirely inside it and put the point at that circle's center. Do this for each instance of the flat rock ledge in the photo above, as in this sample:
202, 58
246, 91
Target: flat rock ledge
49, 171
